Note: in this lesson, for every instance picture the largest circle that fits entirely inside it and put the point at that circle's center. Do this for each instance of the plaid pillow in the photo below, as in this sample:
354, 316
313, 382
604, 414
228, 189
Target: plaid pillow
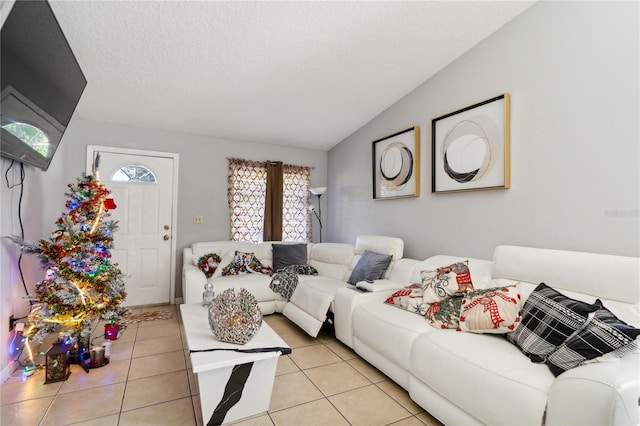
604, 334
548, 319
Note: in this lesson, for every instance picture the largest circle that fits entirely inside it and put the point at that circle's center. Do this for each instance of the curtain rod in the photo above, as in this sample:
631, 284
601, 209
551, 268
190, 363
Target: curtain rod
269, 161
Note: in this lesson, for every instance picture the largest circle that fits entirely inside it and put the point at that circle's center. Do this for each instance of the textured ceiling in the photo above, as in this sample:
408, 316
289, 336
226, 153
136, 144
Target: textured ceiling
303, 74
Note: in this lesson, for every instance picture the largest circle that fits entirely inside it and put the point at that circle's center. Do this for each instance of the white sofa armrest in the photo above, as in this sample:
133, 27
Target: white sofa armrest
193, 281
604, 393
379, 285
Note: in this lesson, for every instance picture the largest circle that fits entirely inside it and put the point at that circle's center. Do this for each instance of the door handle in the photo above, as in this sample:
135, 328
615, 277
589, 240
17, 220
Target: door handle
166, 237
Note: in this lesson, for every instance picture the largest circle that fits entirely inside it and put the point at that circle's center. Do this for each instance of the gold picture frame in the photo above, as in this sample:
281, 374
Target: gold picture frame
396, 165
471, 147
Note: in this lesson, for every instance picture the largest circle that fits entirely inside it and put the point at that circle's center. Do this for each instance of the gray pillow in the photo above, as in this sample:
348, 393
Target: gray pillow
289, 254
371, 266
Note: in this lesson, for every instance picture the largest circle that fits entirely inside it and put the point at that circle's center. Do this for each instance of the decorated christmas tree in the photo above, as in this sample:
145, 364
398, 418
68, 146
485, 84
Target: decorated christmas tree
81, 283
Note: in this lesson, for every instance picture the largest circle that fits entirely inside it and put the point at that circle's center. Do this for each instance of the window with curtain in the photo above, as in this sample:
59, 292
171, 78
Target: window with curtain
247, 190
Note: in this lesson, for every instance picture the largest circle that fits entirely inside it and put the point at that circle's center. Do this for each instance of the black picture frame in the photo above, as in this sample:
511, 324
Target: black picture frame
396, 165
471, 147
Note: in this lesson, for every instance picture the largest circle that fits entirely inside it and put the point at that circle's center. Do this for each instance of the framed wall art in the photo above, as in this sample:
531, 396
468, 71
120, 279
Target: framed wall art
470, 147
396, 165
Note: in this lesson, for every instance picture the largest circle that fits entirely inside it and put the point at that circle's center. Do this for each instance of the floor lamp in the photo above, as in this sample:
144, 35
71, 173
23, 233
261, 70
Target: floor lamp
318, 193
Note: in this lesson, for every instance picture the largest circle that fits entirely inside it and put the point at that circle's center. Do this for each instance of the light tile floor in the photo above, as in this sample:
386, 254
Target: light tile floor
149, 381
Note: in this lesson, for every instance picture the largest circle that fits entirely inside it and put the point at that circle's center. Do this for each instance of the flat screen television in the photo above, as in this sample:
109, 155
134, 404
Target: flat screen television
41, 83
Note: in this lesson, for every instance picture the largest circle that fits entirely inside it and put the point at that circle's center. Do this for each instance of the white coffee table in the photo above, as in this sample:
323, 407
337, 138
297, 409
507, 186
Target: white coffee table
233, 385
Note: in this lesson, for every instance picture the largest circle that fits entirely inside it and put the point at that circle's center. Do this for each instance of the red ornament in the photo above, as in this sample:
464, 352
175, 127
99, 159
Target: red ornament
109, 204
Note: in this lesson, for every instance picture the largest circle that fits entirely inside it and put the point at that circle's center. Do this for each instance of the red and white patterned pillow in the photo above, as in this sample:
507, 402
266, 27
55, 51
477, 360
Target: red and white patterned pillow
445, 282
409, 298
445, 313
494, 310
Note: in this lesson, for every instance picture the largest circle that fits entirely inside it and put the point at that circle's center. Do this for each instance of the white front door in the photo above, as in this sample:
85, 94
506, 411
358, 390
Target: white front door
142, 186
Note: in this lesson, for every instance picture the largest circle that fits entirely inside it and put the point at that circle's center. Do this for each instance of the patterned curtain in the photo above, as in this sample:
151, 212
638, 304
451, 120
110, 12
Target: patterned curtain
247, 185
296, 220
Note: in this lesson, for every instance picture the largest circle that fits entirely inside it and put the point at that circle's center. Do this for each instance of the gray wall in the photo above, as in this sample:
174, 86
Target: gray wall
203, 168
202, 189
572, 71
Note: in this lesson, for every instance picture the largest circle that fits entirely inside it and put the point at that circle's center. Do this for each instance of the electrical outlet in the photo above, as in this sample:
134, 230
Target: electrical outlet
197, 219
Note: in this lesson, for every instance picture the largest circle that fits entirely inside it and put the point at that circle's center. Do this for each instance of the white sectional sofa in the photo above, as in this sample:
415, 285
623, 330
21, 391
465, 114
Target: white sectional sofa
459, 377
468, 378
314, 295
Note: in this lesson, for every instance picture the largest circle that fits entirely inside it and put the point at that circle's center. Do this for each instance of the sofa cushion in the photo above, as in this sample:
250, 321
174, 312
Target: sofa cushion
409, 298
257, 284
388, 331
548, 319
494, 310
446, 313
289, 254
446, 281
484, 374
603, 334
332, 259
371, 266
209, 263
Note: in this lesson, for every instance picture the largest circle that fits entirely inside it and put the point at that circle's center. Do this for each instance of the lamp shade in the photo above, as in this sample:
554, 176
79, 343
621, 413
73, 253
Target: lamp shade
318, 191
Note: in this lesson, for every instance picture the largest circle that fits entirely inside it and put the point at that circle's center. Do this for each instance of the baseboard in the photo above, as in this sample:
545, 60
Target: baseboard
7, 371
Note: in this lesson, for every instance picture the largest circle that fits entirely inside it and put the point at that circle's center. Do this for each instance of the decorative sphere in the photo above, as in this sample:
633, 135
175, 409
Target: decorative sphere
235, 318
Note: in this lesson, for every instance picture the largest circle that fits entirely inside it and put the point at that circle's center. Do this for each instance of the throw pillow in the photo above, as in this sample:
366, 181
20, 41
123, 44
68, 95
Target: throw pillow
446, 313
409, 298
239, 264
603, 334
493, 310
209, 263
371, 266
288, 254
447, 281
548, 319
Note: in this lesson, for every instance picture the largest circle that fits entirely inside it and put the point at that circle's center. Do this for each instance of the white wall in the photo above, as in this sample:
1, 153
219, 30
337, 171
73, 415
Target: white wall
572, 71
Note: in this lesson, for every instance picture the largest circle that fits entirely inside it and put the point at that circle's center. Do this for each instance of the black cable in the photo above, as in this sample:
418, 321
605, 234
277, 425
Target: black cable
21, 184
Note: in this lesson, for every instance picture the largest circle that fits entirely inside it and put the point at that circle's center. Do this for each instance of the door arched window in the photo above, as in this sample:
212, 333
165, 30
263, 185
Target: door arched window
134, 173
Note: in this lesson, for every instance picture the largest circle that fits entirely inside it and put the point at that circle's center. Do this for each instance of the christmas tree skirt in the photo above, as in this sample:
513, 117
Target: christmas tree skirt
146, 316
